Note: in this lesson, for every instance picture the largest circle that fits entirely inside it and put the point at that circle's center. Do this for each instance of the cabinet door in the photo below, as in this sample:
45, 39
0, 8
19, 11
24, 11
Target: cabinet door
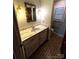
43, 36
31, 45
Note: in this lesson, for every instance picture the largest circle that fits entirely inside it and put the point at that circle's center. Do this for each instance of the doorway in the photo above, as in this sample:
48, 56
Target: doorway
58, 21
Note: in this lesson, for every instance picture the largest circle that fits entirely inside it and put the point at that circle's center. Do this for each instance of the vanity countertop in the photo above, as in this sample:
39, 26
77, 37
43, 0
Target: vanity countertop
27, 33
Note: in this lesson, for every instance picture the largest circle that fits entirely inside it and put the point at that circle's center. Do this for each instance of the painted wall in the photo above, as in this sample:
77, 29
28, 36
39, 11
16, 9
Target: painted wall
21, 16
60, 3
46, 12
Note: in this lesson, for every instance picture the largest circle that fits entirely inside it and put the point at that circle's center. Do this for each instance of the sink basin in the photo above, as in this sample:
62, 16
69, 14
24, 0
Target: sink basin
34, 29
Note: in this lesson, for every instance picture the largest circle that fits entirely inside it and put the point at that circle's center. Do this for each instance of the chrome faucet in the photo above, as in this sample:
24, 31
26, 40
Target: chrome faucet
33, 27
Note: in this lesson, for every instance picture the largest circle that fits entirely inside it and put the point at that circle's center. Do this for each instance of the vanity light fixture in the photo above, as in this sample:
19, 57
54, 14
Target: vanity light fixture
18, 7
20, 12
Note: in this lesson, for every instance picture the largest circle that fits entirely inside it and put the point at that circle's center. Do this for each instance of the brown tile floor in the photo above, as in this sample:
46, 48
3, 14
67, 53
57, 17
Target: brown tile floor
49, 49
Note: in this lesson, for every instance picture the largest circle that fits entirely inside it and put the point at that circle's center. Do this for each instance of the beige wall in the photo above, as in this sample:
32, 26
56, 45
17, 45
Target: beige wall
22, 20
44, 9
47, 5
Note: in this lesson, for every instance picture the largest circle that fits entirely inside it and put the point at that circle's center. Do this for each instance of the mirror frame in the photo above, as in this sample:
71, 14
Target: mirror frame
30, 12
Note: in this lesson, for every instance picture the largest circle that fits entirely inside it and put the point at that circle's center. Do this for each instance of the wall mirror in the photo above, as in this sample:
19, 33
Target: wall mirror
30, 12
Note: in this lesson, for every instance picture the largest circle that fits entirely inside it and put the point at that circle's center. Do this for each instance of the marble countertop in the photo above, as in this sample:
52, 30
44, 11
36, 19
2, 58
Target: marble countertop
27, 33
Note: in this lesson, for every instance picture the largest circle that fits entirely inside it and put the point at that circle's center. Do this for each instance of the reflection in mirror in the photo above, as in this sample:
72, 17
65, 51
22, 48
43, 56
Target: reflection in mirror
30, 12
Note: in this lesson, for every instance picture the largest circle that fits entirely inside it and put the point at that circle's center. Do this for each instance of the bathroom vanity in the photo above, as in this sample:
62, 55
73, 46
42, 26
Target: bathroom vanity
28, 39
32, 38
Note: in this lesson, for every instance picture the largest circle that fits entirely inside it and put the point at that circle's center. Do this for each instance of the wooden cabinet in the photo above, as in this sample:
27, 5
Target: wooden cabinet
31, 44
43, 36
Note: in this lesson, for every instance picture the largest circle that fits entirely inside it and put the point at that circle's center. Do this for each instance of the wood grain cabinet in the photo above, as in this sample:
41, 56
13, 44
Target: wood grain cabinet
43, 36
31, 44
